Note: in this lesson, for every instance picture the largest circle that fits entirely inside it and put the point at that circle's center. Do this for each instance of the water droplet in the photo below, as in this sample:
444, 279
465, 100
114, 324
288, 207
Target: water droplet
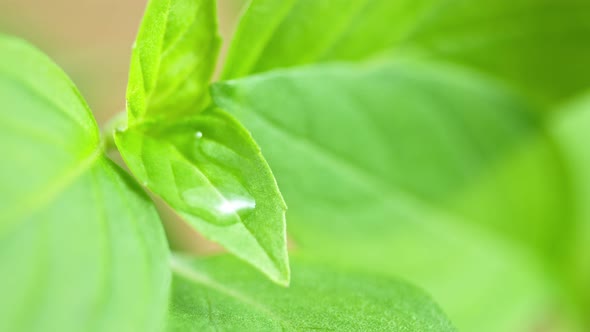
235, 205
222, 206
198, 134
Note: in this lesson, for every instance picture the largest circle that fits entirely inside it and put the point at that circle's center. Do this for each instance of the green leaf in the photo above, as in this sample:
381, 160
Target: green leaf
285, 33
81, 247
572, 131
208, 168
421, 170
173, 59
540, 46
217, 294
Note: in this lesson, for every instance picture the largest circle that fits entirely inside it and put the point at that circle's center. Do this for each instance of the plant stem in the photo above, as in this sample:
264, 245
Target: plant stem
116, 123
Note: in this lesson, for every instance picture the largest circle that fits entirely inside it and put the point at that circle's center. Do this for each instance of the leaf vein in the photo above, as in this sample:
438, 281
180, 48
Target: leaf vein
189, 273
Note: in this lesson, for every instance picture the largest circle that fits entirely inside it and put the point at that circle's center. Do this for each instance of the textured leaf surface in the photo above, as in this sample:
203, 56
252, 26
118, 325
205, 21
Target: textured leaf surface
419, 170
173, 59
81, 247
208, 168
219, 295
540, 46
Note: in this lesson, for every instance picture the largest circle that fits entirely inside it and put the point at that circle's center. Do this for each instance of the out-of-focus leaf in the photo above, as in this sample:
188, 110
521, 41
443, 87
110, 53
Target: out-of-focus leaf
208, 168
572, 131
218, 294
419, 170
540, 46
173, 59
285, 33
81, 247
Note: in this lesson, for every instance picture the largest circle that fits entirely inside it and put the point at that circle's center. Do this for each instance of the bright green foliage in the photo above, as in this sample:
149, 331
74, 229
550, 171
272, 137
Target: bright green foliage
208, 168
410, 168
81, 247
407, 136
540, 46
205, 166
285, 33
219, 295
173, 59
571, 129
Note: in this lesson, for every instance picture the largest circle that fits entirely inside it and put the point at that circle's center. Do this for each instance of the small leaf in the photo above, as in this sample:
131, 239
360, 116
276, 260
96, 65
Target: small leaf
417, 169
219, 294
204, 164
173, 59
81, 246
208, 168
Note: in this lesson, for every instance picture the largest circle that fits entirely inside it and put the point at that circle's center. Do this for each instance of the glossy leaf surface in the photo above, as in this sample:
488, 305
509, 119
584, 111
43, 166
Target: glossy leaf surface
217, 294
420, 170
208, 168
205, 166
173, 59
81, 247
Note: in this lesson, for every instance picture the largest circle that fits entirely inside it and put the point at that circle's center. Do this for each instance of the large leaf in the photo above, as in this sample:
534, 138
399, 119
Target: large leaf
219, 295
416, 169
173, 59
208, 168
81, 247
541, 46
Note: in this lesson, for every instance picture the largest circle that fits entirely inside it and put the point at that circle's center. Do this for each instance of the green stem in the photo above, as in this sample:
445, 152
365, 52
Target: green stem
116, 123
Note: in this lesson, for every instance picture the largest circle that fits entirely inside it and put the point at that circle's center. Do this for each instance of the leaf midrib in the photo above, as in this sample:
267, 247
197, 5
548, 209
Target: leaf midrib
189, 273
45, 195
385, 191
215, 189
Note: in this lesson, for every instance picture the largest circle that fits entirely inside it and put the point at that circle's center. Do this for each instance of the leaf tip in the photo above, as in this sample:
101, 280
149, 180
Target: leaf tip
283, 278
